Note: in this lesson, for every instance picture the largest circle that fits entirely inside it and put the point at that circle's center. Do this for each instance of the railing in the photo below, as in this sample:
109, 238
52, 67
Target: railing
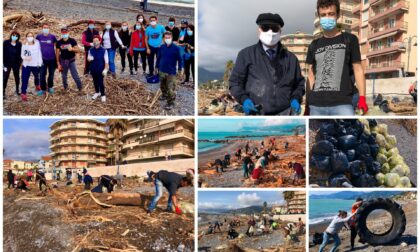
394, 46
356, 8
389, 9
162, 153
387, 28
392, 64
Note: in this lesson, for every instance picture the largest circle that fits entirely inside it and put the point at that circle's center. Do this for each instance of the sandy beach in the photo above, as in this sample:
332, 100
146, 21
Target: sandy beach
409, 237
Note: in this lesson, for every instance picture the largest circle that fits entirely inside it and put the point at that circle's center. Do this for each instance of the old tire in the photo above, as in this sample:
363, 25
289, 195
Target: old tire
398, 221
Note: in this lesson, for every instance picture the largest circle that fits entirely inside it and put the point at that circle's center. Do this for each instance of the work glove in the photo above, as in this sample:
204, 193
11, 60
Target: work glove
104, 72
410, 90
178, 210
90, 58
362, 104
5, 69
294, 104
248, 106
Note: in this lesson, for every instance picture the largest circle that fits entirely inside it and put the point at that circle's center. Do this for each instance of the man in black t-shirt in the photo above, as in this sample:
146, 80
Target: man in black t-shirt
332, 60
66, 49
172, 182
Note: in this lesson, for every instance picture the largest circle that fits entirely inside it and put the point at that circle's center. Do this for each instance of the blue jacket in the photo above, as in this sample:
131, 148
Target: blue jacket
87, 179
167, 58
98, 63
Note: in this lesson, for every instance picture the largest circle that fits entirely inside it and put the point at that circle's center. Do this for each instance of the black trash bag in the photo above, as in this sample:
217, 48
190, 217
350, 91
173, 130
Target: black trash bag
328, 128
352, 131
351, 155
358, 125
317, 238
372, 139
374, 150
355, 168
364, 138
341, 131
384, 107
339, 162
378, 100
321, 163
347, 142
362, 150
372, 122
364, 180
368, 160
375, 168
323, 148
339, 180
332, 140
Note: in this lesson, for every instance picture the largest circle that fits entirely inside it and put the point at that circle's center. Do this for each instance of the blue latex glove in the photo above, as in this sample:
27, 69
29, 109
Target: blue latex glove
295, 105
248, 106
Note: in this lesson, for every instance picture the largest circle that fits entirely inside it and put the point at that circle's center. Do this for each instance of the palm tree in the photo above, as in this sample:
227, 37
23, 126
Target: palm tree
288, 195
228, 70
265, 206
117, 127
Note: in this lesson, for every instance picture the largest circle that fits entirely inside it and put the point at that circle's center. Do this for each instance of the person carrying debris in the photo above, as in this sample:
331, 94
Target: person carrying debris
257, 175
154, 37
110, 41
138, 47
66, 49
251, 227
40, 175
125, 35
353, 231
87, 179
238, 154
245, 165
22, 184
286, 146
172, 182
167, 59
98, 56
259, 77
217, 225
12, 61
232, 234
334, 228
87, 41
227, 158
299, 172
10, 179
48, 42
246, 147
105, 181
32, 62
219, 164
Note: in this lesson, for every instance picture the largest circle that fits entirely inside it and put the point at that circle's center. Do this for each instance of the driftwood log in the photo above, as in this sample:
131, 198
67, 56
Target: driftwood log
14, 17
86, 21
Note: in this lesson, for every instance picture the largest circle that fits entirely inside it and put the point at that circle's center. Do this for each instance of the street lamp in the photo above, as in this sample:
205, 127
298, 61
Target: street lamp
409, 40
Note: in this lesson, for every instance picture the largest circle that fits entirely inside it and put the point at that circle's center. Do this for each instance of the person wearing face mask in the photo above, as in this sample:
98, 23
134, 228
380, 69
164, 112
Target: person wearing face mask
181, 44
125, 35
173, 29
154, 35
87, 41
12, 60
266, 75
66, 49
167, 60
98, 58
140, 18
110, 41
333, 59
47, 42
138, 47
189, 56
32, 62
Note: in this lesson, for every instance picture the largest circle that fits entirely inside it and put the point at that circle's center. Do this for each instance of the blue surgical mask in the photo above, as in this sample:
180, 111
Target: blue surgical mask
45, 31
107, 27
190, 33
65, 36
91, 26
14, 38
138, 27
328, 24
171, 23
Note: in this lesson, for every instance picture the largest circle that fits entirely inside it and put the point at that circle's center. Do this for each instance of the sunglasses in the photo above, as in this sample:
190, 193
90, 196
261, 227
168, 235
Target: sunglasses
266, 28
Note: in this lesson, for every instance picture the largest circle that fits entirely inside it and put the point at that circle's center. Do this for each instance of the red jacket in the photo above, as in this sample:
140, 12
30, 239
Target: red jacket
138, 40
257, 173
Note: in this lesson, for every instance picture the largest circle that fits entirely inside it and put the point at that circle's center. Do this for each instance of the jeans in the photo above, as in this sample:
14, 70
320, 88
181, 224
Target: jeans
340, 110
245, 168
50, 66
70, 65
16, 70
355, 100
123, 53
98, 82
111, 58
182, 53
189, 67
159, 193
151, 58
326, 237
26, 73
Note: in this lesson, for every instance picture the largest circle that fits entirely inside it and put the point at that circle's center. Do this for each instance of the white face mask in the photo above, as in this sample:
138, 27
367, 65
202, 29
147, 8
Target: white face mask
30, 39
107, 27
168, 41
140, 20
153, 23
124, 28
269, 38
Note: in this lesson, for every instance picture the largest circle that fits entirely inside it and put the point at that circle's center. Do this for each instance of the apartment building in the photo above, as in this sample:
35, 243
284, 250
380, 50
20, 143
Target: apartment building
158, 139
387, 30
297, 203
345, 21
298, 44
78, 143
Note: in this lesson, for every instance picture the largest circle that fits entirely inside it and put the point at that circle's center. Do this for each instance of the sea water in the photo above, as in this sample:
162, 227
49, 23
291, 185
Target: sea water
326, 209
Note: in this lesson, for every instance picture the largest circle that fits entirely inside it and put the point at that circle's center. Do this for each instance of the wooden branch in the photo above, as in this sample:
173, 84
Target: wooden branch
27, 198
157, 95
93, 197
86, 21
9, 18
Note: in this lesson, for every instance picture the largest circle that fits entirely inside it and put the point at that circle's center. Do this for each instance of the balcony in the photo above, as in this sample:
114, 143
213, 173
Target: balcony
398, 7
397, 47
383, 67
71, 151
356, 9
387, 31
180, 151
373, 2
176, 134
347, 7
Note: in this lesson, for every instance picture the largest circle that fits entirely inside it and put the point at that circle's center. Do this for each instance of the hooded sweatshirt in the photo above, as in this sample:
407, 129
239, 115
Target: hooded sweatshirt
337, 224
31, 54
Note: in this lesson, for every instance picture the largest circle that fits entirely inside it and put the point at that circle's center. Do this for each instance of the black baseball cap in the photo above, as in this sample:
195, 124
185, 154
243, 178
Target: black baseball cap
269, 19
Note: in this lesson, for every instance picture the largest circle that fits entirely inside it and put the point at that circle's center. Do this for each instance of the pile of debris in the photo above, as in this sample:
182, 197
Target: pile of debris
124, 96
218, 102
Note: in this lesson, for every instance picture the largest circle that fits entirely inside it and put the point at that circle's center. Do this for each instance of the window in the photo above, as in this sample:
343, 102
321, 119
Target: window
365, 1
389, 42
391, 23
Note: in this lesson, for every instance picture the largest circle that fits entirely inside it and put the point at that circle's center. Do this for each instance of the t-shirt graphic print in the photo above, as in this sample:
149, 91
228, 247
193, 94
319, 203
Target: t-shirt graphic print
329, 69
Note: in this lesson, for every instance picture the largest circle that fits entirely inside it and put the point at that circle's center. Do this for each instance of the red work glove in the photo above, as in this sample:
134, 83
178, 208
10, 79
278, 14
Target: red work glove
411, 89
178, 210
362, 104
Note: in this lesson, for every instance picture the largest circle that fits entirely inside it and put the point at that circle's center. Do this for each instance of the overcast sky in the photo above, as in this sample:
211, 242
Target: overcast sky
225, 27
235, 124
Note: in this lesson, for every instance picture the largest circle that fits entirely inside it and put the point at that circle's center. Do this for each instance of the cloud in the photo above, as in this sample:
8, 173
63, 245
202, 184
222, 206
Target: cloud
26, 145
226, 27
213, 205
250, 199
281, 121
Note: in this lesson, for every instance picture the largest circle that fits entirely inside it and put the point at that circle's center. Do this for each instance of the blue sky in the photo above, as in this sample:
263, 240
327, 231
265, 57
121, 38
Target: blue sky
237, 199
235, 124
26, 139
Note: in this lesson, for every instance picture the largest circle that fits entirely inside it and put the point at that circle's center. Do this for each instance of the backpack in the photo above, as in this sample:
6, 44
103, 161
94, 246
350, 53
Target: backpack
317, 238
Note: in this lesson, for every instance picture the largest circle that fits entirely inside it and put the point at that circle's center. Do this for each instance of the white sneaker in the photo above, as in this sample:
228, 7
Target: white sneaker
103, 98
96, 95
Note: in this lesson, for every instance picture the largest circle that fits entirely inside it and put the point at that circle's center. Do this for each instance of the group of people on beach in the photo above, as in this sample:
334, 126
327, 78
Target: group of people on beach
167, 52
